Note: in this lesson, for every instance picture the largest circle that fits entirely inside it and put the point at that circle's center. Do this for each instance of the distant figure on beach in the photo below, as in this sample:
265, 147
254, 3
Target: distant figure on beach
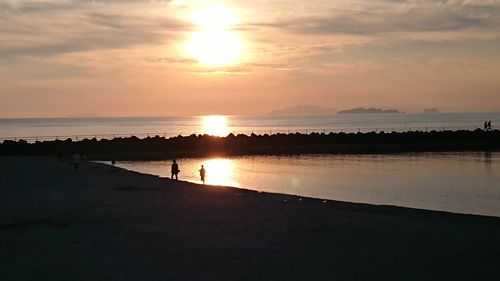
76, 161
486, 125
175, 170
489, 125
202, 174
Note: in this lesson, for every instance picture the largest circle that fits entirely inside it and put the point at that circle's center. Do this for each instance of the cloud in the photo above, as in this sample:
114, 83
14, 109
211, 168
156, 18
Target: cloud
130, 22
83, 30
171, 60
397, 16
31, 6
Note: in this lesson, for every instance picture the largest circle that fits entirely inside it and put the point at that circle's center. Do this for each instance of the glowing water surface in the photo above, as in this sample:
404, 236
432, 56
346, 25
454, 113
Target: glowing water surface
223, 125
455, 182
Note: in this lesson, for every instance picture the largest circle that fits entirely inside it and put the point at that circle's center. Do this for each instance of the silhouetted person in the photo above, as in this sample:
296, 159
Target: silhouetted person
486, 125
175, 170
202, 173
76, 161
489, 125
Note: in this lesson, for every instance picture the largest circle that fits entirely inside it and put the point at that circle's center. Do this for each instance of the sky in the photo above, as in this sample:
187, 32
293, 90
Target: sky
69, 58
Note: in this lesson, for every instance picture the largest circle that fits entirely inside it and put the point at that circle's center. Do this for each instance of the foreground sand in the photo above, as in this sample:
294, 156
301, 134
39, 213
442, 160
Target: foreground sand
105, 223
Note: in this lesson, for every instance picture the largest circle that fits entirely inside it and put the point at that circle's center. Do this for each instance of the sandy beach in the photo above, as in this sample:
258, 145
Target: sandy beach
105, 223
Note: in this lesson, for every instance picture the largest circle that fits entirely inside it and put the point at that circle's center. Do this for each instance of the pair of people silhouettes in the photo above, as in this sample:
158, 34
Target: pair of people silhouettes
175, 171
487, 125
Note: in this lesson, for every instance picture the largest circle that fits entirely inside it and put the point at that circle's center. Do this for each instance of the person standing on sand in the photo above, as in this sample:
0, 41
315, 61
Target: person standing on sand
202, 174
76, 161
485, 125
175, 170
489, 125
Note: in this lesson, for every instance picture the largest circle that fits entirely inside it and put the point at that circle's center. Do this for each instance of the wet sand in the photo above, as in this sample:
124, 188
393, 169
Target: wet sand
104, 223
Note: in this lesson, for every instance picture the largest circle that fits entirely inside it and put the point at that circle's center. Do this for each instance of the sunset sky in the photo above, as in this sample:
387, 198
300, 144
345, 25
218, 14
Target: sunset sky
61, 58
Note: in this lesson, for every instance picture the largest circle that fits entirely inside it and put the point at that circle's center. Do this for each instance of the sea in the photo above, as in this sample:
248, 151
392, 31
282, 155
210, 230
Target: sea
467, 182
78, 128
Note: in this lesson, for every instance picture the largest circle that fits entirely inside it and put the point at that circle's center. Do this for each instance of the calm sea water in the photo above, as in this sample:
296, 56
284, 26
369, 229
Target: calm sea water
455, 182
466, 183
173, 126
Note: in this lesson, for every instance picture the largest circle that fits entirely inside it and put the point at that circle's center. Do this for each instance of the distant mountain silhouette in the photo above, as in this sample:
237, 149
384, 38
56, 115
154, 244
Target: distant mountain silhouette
304, 110
367, 110
430, 110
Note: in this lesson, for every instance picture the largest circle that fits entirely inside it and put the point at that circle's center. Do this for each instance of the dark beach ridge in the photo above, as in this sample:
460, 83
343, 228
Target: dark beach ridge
157, 147
105, 223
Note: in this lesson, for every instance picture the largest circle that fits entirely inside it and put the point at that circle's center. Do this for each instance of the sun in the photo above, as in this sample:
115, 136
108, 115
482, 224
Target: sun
215, 43
215, 48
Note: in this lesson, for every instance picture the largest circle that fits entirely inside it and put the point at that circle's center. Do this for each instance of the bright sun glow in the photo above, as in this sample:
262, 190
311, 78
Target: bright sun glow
220, 172
214, 18
215, 126
215, 44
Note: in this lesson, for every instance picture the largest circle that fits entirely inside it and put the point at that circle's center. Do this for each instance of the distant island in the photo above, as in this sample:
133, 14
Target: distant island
304, 110
430, 110
367, 110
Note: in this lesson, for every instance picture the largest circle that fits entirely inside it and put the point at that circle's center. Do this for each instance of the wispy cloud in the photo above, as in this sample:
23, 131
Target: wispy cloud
397, 16
33, 6
171, 60
82, 30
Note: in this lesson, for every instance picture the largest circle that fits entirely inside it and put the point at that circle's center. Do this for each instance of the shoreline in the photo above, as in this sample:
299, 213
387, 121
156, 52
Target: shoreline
298, 197
106, 223
463, 182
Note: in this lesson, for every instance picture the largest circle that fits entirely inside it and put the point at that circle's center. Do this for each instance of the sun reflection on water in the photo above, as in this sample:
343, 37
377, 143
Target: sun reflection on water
215, 125
220, 172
